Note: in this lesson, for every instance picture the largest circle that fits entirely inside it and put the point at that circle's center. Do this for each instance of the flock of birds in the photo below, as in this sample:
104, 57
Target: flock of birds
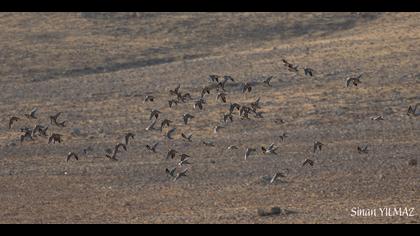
218, 84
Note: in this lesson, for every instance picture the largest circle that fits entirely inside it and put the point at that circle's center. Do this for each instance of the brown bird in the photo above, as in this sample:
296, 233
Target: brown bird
26, 135
318, 145
53, 118
227, 117
267, 81
249, 151
12, 120
221, 96
412, 111
151, 126
72, 154
127, 137
181, 174
55, 138
172, 102
362, 150
164, 123
270, 149
353, 80
308, 71
170, 172
283, 136
234, 106
184, 161
120, 145
308, 162
246, 87
114, 155
204, 91
154, 113
61, 124
170, 132
278, 175
171, 154
256, 105
187, 137
214, 78
148, 98
232, 147
186, 117
377, 118
228, 77
175, 91
40, 129
31, 115
199, 104
208, 143
153, 147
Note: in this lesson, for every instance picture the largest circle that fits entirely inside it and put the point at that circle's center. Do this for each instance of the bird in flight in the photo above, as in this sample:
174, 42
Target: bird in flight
249, 151
127, 137
221, 96
31, 115
172, 102
164, 123
377, 118
308, 71
283, 136
234, 106
412, 111
12, 120
247, 88
217, 128
72, 154
270, 149
186, 117
170, 132
149, 98
171, 154
318, 145
151, 126
153, 147
187, 137
232, 147
308, 162
154, 113
181, 174
53, 118
267, 81
55, 138
362, 150
353, 80
184, 161
170, 172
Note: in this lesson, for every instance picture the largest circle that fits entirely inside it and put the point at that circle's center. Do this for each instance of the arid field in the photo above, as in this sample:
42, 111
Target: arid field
96, 68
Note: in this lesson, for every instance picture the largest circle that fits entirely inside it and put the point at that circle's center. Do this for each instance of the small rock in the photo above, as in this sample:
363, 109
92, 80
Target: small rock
76, 132
273, 211
311, 122
388, 111
340, 112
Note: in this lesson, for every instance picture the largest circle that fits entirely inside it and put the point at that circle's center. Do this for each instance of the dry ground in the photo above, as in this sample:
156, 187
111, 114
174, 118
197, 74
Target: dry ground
96, 68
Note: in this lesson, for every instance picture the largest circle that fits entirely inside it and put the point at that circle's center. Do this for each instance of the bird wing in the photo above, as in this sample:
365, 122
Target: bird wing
34, 111
349, 80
